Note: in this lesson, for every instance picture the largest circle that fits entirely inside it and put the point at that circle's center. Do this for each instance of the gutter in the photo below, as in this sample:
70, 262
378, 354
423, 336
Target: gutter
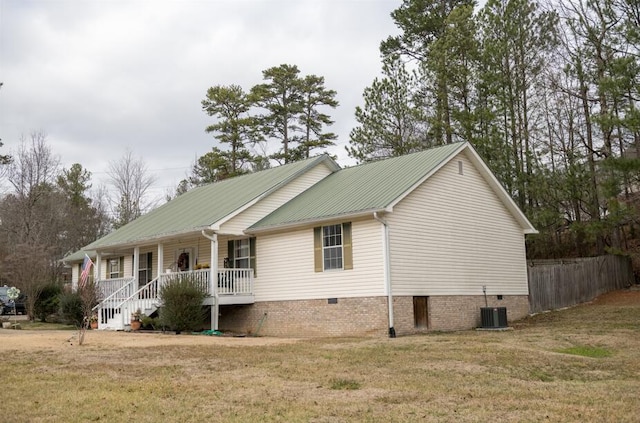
316, 221
387, 273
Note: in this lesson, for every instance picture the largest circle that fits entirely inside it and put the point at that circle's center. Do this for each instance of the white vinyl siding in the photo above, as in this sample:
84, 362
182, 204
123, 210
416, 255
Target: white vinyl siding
452, 235
126, 268
242, 221
286, 266
193, 246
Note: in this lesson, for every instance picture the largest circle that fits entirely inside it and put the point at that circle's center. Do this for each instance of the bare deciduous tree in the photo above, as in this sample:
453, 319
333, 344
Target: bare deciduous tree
131, 180
30, 207
33, 166
30, 266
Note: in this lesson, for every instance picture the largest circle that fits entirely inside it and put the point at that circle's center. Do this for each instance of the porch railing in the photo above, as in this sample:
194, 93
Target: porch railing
235, 282
230, 281
112, 303
126, 299
107, 287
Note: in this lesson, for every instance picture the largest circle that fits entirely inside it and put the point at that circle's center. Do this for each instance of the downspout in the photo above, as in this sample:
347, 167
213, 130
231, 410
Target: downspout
387, 273
213, 278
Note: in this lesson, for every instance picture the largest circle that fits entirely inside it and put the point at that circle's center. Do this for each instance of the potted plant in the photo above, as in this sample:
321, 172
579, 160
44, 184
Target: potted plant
135, 320
93, 321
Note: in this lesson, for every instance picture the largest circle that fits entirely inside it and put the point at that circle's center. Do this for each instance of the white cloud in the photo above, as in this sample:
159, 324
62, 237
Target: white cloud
99, 77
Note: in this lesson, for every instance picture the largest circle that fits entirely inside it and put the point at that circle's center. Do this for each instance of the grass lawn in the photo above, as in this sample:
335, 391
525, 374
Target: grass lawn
576, 365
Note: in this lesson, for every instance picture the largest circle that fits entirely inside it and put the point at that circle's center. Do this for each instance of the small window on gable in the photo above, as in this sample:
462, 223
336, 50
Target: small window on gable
332, 247
460, 167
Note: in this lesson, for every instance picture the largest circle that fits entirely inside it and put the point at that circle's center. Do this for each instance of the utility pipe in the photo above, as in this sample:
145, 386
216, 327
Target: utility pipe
387, 272
213, 290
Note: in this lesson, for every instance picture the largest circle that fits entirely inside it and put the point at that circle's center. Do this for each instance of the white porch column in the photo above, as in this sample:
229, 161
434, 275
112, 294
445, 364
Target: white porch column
98, 267
136, 266
215, 310
160, 260
213, 278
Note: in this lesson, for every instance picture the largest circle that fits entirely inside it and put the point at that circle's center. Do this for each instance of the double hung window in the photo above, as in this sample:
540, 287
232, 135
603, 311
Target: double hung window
332, 247
115, 268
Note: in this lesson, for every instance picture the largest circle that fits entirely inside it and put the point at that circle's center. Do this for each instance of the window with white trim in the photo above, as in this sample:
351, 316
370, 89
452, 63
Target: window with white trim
241, 254
114, 269
332, 247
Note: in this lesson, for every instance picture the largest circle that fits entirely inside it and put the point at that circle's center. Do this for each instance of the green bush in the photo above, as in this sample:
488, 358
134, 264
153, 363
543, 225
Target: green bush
148, 322
181, 308
70, 308
48, 301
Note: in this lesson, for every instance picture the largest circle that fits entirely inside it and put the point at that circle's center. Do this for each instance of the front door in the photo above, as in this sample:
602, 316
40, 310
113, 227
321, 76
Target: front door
184, 260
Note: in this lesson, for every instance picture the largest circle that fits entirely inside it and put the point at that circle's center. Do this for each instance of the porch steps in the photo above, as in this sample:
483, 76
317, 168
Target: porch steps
234, 286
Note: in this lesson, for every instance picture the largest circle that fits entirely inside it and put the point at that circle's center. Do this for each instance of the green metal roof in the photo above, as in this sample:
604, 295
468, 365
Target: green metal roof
368, 187
79, 256
202, 207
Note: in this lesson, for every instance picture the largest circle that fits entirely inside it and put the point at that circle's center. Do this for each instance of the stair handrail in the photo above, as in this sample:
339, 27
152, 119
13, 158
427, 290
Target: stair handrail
114, 294
145, 297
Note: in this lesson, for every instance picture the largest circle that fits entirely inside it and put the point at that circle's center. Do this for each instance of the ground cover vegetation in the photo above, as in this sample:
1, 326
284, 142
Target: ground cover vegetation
559, 366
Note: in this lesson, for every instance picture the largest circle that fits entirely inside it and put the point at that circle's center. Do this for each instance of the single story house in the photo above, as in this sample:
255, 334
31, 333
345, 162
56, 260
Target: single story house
400, 245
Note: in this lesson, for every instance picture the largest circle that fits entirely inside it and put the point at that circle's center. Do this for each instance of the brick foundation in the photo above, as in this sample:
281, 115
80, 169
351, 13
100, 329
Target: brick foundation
459, 312
309, 318
361, 316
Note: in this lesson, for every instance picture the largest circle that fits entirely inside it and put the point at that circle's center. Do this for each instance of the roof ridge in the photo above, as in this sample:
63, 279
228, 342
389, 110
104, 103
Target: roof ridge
387, 158
311, 160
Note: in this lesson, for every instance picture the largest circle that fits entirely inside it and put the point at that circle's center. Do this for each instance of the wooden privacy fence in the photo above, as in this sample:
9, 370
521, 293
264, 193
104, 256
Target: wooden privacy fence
555, 284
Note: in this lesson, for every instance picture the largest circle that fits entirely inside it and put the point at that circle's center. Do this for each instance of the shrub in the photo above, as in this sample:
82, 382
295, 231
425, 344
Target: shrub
148, 322
181, 308
48, 301
71, 308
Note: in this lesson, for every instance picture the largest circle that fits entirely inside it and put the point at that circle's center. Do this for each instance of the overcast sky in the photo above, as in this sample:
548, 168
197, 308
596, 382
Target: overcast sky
99, 77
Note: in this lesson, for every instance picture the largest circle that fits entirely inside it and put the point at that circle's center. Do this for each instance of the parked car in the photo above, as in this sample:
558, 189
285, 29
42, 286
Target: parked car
7, 306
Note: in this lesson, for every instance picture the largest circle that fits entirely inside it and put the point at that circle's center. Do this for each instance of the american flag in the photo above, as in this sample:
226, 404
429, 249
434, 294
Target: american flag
86, 266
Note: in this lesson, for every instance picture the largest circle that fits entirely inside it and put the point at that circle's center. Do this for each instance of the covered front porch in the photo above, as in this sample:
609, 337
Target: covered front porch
121, 297
224, 271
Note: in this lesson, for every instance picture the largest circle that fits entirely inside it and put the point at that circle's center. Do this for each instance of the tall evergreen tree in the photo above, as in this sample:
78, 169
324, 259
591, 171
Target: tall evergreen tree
312, 119
423, 23
517, 38
282, 98
83, 223
390, 123
234, 127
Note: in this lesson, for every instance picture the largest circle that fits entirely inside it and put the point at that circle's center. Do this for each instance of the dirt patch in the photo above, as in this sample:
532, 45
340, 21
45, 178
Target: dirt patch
55, 339
624, 297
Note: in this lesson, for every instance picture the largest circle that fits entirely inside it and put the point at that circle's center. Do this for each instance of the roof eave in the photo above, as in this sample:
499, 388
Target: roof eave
149, 240
317, 221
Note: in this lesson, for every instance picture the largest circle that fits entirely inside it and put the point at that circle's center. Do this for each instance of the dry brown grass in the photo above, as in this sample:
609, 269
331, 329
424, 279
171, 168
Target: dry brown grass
473, 376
